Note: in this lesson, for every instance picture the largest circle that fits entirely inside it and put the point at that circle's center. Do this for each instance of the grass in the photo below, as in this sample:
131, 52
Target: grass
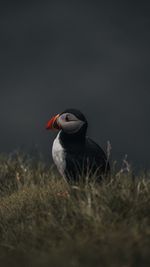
45, 222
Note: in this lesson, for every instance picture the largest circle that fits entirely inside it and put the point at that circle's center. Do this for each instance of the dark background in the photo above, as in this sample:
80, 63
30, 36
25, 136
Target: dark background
90, 55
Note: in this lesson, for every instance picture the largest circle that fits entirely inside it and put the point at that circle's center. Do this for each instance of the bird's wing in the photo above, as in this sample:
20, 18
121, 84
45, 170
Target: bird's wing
96, 153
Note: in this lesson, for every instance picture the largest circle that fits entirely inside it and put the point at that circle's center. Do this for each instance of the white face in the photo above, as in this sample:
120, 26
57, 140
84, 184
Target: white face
69, 123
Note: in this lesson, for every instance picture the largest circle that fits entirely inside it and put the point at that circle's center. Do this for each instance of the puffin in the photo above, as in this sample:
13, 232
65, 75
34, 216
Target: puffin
75, 155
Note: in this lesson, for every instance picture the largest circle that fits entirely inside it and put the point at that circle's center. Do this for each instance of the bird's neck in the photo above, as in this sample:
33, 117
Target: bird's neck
70, 141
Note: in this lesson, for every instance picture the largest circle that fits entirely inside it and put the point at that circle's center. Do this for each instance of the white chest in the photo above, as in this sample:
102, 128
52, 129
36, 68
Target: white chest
58, 155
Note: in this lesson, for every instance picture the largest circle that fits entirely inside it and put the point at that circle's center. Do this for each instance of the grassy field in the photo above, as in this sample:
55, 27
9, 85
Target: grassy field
45, 222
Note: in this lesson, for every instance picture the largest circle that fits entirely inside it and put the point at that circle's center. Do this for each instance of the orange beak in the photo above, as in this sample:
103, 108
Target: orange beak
52, 123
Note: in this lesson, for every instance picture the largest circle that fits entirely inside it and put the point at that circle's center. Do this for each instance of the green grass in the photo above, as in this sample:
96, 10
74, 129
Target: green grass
45, 222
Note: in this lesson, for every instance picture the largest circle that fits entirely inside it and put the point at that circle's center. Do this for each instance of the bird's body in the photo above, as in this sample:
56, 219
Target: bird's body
76, 155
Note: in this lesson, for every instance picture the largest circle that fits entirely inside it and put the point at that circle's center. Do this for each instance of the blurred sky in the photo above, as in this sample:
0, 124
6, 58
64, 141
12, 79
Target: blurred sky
90, 55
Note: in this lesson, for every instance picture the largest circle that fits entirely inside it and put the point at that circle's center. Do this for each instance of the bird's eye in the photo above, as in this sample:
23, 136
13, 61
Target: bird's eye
67, 118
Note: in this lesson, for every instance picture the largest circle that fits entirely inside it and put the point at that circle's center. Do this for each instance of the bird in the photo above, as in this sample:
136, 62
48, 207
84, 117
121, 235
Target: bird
76, 155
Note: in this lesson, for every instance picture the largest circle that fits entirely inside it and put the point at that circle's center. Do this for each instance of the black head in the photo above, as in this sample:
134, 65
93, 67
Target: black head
70, 121
76, 113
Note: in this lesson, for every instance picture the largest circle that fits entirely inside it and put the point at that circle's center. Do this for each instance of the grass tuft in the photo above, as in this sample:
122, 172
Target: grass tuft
46, 222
